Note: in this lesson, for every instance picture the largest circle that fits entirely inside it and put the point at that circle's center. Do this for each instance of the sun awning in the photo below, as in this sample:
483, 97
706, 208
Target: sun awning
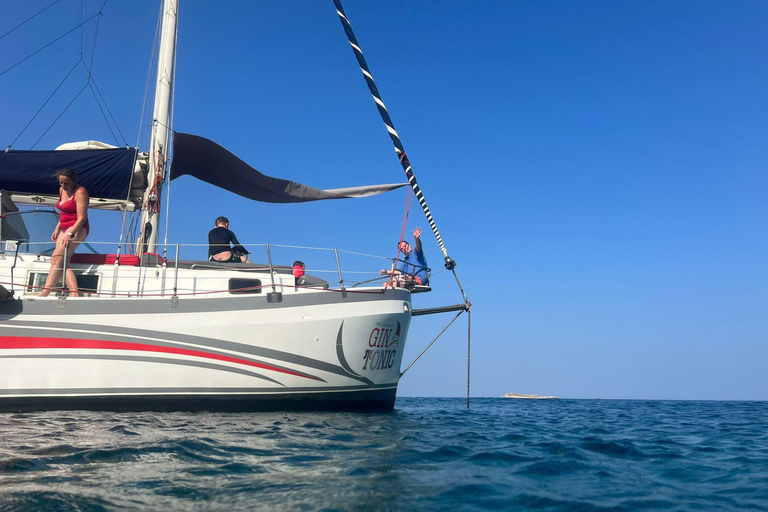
207, 161
105, 173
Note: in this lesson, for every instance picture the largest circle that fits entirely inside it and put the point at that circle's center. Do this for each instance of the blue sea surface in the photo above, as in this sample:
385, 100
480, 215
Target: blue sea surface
429, 454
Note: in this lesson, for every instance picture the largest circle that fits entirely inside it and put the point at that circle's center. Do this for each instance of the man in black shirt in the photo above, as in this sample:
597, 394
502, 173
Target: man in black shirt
219, 239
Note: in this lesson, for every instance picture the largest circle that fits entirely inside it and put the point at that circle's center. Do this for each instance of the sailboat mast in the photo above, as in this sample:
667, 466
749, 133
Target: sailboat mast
160, 126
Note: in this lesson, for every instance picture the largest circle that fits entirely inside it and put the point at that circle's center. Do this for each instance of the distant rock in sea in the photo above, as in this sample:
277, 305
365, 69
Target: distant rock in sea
530, 397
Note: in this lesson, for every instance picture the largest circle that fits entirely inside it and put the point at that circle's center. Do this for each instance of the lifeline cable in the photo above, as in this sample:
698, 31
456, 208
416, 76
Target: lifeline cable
449, 263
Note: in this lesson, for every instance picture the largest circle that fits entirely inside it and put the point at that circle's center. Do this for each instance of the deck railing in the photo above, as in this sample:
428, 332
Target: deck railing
341, 269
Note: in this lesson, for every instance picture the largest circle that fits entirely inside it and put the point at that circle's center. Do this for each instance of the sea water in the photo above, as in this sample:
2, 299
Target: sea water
429, 454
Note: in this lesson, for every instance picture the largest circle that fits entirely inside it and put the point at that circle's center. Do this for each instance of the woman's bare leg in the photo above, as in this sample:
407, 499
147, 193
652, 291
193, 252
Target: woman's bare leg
54, 274
71, 278
57, 264
72, 283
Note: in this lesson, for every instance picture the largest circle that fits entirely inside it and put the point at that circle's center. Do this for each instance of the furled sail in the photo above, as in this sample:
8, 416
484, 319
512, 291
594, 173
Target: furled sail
207, 161
105, 173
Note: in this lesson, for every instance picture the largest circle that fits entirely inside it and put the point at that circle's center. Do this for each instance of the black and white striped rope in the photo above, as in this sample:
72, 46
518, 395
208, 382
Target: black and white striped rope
449, 263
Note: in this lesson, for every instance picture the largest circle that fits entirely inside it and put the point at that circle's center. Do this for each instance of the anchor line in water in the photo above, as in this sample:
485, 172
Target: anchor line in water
399, 149
469, 349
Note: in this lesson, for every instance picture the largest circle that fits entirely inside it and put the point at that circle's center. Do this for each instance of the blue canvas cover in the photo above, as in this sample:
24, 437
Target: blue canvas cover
105, 173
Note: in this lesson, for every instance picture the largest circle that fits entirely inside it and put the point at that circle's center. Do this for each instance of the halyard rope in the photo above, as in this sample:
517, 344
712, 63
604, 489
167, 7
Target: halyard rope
449, 263
400, 150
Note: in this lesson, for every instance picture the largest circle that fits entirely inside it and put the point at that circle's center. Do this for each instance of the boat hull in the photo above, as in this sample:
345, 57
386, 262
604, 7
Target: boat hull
324, 350
363, 400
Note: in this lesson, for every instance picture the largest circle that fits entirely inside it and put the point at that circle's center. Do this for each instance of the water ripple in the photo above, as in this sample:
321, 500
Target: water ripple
430, 454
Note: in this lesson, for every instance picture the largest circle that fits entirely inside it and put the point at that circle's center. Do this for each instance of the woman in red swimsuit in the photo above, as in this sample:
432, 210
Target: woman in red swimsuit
70, 231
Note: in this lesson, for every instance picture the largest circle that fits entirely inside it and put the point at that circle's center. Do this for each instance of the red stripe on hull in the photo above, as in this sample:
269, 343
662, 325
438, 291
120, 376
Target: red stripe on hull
20, 342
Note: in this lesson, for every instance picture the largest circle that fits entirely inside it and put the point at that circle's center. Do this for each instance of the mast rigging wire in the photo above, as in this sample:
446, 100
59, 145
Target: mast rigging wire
44, 104
117, 143
149, 77
49, 44
132, 232
30, 19
96, 34
81, 29
92, 81
59, 117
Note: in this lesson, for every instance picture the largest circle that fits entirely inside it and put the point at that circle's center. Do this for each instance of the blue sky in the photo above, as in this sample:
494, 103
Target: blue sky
597, 168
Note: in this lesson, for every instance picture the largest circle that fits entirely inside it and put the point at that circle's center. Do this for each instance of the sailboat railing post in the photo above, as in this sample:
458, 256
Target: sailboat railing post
120, 242
176, 273
341, 278
64, 270
274, 296
271, 271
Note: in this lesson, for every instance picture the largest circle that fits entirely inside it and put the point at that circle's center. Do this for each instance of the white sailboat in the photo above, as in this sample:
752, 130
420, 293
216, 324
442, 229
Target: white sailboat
157, 332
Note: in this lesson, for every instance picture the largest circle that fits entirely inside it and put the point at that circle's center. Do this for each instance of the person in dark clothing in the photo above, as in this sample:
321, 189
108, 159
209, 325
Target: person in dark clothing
219, 240
298, 272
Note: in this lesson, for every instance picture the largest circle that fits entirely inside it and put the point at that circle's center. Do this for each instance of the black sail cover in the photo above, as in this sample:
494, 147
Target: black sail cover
207, 161
105, 173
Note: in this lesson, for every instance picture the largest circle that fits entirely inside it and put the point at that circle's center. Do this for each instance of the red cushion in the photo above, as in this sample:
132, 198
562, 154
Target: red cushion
105, 259
90, 259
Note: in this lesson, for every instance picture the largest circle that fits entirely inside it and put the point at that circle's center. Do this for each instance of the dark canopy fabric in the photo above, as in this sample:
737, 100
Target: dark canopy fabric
105, 173
209, 162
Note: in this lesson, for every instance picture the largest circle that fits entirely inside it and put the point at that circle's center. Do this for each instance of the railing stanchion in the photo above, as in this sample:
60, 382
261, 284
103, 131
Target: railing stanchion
271, 270
64, 270
176, 273
341, 278
274, 296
